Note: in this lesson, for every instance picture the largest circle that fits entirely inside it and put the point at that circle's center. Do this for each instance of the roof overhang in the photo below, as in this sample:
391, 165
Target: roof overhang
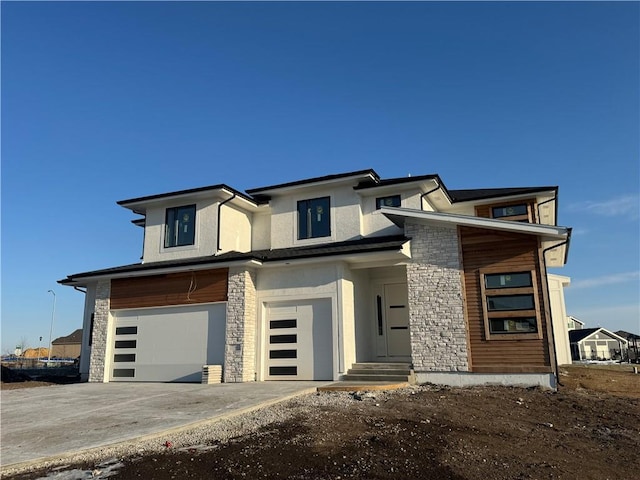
554, 239
328, 180
216, 192
360, 253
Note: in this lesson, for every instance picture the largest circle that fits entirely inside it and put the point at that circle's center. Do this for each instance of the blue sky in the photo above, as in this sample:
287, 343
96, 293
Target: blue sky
108, 101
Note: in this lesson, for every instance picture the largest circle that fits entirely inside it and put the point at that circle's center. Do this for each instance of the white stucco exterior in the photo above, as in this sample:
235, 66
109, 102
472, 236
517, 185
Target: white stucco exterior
559, 317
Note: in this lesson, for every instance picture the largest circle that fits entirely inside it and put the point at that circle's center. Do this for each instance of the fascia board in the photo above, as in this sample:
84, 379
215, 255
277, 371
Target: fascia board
399, 215
402, 254
285, 189
79, 281
222, 193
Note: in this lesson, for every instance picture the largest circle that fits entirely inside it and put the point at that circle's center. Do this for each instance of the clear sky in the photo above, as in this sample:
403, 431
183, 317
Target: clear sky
104, 101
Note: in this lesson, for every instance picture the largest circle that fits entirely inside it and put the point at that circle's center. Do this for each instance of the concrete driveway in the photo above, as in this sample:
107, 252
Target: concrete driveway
42, 422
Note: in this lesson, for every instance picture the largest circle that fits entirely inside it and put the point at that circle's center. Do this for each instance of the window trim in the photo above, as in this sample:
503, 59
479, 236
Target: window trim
298, 238
490, 292
529, 217
164, 228
379, 200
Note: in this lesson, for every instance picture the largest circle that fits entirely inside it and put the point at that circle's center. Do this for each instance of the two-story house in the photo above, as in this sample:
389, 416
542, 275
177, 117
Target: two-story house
300, 280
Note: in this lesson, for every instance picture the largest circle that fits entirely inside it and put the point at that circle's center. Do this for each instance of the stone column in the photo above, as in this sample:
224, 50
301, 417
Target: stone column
98, 362
240, 336
436, 308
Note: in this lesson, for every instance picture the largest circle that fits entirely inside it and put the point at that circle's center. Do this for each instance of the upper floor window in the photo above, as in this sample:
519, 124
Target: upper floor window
518, 213
390, 201
314, 219
180, 227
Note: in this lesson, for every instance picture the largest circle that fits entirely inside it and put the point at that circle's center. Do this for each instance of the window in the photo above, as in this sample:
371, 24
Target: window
518, 213
314, 219
510, 305
180, 226
391, 201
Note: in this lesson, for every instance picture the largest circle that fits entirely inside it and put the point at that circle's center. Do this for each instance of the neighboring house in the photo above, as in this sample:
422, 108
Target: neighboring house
574, 324
561, 321
67, 347
300, 280
633, 345
596, 344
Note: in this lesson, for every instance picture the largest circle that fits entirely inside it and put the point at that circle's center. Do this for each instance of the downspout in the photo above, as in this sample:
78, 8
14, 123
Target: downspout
430, 191
553, 336
79, 289
219, 222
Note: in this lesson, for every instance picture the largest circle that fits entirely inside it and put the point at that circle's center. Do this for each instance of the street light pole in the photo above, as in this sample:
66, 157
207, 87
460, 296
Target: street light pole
53, 317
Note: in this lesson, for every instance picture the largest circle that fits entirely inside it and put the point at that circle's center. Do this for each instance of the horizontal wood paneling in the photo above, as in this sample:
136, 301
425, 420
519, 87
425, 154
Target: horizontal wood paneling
170, 289
509, 252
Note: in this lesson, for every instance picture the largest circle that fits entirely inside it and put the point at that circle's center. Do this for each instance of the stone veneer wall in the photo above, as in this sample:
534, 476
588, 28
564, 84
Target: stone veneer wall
240, 342
436, 309
100, 332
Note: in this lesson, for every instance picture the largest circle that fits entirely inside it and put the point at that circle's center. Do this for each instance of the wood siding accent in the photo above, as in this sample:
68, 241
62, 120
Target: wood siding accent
183, 288
508, 252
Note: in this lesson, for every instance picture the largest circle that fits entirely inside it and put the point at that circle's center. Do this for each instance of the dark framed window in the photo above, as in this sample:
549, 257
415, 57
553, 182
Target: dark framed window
126, 330
283, 354
514, 325
275, 324
283, 371
518, 213
509, 280
501, 303
126, 343
124, 357
180, 226
314, 218
390, 201
124, 372
510, 305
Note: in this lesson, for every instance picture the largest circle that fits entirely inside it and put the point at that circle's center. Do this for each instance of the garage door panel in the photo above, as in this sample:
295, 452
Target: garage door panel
298, 341
172, 343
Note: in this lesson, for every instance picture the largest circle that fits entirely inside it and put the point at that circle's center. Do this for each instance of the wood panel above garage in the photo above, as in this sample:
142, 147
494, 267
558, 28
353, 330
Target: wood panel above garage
185, 288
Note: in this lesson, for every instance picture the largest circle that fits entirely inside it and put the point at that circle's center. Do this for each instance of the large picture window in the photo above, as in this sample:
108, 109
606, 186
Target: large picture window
314, 219
510, 305
180, 226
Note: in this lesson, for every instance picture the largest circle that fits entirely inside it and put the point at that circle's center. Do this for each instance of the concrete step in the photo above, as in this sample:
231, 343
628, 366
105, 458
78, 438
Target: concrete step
373, 377
368, 371
381, 366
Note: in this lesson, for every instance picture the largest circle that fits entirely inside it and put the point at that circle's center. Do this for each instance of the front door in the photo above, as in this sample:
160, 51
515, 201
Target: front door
397, 320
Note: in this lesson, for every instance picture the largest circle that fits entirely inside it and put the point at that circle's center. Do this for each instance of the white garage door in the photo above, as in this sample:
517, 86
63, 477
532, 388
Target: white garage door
169, 344
298, 341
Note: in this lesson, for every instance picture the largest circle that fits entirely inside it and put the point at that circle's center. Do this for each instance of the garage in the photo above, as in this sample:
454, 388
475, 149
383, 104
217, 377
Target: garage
297, 340
168, 344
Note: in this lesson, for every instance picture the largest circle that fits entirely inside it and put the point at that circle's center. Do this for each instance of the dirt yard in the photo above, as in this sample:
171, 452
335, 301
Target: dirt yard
589, 429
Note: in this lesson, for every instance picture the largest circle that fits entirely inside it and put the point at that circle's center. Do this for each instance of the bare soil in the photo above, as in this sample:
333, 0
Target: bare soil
589, 429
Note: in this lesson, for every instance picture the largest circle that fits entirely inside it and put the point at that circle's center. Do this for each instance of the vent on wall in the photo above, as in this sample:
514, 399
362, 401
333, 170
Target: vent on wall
211, 374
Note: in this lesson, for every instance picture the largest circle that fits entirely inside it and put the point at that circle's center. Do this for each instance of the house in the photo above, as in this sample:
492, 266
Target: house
67, 347
596, 344
633, 345
302, 280
574, 323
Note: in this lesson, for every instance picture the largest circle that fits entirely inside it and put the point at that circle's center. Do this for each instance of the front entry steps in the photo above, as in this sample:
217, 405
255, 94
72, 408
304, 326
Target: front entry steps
374, 376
